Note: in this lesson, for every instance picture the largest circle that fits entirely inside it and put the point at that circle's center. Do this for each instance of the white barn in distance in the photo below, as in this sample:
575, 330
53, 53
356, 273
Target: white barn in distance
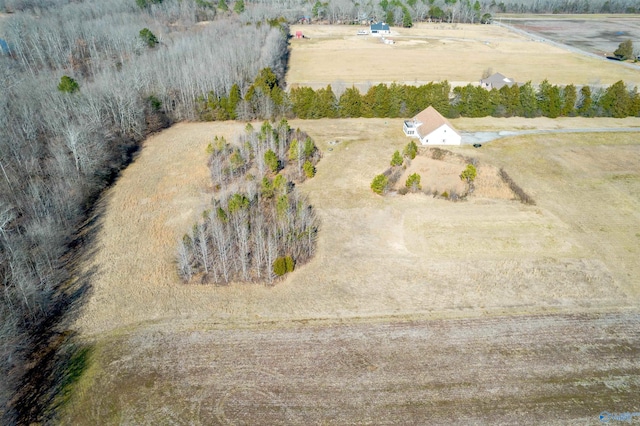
431, 128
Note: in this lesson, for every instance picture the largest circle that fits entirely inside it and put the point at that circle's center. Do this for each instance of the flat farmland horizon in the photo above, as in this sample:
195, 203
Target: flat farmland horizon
457, 53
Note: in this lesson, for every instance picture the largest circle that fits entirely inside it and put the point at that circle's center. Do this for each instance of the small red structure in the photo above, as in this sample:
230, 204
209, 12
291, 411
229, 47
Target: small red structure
299, 34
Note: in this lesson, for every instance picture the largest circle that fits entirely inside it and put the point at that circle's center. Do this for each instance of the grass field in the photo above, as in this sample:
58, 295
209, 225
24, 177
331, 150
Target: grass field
413, 270
435, 52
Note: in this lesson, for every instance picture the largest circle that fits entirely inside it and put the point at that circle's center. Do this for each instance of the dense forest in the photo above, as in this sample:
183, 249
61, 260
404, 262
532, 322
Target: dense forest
82, 83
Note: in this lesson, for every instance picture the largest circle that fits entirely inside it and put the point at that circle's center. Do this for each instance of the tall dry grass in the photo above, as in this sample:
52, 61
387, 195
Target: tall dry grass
376, 256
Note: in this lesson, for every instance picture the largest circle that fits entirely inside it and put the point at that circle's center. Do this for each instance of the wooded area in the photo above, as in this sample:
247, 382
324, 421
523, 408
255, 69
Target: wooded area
61, 143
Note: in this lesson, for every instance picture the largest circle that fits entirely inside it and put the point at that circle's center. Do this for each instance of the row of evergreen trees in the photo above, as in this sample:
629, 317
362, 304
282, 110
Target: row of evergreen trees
266, 99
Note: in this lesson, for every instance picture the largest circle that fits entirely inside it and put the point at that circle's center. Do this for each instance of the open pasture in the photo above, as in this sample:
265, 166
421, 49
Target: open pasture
379, 256
458, 53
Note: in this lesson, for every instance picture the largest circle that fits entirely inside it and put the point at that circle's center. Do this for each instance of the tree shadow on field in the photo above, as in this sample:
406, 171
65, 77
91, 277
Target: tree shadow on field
57, 359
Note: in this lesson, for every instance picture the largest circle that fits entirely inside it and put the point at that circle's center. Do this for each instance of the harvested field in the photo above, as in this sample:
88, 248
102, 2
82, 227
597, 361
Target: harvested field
427, 52
599, 34
533, 370
480, 311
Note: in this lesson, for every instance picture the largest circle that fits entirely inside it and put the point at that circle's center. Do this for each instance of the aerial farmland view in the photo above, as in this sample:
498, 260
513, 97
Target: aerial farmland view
274, 213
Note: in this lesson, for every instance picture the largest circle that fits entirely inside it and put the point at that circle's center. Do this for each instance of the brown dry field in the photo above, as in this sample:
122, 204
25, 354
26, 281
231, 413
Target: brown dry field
531, 370
381, 256
479, 311
599, 34
458, 53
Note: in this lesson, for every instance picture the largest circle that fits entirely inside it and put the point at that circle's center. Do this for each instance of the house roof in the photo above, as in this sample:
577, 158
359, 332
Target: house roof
497, 81
380, 26
430, 119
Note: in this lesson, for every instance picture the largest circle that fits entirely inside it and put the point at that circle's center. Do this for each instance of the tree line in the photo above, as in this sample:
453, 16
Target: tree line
259, 226
395, 100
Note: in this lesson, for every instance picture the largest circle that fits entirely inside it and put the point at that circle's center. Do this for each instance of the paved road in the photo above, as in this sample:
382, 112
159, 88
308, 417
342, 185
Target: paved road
469, 138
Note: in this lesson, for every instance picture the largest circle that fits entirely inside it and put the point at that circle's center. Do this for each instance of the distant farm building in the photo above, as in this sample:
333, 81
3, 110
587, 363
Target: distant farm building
380, 28
431, 128
496, 81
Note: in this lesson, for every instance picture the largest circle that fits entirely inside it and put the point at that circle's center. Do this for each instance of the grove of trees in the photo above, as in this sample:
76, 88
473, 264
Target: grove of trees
259, 226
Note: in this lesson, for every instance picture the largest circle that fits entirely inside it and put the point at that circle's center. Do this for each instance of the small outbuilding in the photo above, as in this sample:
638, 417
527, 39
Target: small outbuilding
431, 128
496, 81
380, 28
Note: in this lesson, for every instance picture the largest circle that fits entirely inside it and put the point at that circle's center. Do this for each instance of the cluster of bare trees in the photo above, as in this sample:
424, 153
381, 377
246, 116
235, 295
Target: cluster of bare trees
253, 221
58, 150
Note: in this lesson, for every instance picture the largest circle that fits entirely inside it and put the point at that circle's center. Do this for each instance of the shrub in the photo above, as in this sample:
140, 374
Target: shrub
413, 182
309, 170
379, 184
396, 160
438, 153
411, 150
445, 194
68, 85
282, 265
271, 160
519, 192
469, 174
148, 37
